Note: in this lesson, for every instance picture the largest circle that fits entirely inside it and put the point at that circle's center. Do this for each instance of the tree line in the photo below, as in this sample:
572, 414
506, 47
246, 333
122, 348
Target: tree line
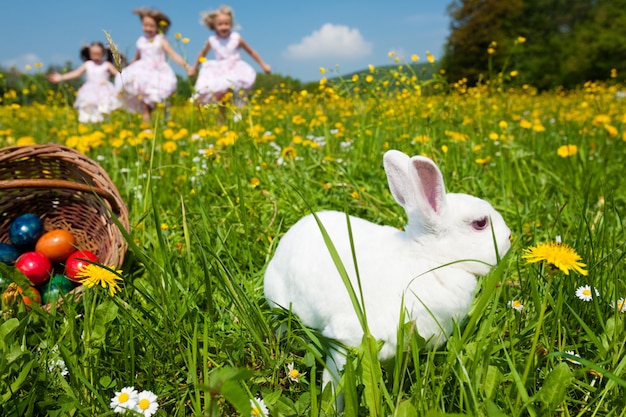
544, 43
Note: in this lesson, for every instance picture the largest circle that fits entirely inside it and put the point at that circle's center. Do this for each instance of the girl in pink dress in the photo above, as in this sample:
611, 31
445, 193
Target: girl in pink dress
97, 97
227, 72
149, 79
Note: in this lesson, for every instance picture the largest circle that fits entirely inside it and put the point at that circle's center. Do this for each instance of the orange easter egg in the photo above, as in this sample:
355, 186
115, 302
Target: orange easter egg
56, 245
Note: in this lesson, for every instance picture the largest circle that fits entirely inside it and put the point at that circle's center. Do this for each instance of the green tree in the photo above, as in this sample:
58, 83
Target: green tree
567, 41
598, 44
475, 25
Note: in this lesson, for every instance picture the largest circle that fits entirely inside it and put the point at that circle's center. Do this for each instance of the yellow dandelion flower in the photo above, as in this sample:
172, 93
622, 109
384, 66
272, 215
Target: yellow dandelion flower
93, 274
25, 141
202, 59
322, 70
483, 161
355, 78
514, 73
430, 57
491, 51
567, 150
613, 73
503, 124
538, 127
369, 79
415, 58
185, 40
493, 136
177, 35
289, 152
371, 68
521, 39
391, 54
557, 254
525, 124
254, 182
170, 146
611, 130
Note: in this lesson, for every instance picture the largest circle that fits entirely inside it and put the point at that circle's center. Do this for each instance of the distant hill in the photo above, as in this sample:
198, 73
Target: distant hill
423, 70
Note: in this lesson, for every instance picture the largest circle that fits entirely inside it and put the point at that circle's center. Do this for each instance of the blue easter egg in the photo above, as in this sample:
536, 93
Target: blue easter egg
53, 289
25, 230
8, 253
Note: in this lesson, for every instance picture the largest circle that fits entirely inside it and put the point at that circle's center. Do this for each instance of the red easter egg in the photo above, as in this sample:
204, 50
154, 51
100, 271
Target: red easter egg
27, 300
35, 266
76, 261
56, 245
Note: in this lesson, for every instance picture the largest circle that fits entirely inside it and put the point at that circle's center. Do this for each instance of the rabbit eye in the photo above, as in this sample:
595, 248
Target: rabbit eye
481, 224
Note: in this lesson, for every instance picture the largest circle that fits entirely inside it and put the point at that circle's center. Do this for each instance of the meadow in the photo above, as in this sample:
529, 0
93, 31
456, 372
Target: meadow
208, 203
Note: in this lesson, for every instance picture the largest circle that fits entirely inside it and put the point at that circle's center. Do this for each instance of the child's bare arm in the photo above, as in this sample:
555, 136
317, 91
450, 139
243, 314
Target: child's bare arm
254, 56
175, 57
56, 77
205, 50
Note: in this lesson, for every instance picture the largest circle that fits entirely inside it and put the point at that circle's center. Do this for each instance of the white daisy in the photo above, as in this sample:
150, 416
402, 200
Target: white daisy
292, 373
258, 408
516, 305
620, 305
147, 403
124, 400
585, 292
572, 353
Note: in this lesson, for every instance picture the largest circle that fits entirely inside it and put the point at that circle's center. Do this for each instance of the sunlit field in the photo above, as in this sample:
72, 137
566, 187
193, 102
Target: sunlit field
209, 201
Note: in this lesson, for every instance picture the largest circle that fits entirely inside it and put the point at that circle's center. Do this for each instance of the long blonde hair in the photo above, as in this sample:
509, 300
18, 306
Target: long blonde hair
209, 18
163, 22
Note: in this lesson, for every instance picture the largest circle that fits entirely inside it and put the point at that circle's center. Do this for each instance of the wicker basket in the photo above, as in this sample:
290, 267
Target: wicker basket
67, 191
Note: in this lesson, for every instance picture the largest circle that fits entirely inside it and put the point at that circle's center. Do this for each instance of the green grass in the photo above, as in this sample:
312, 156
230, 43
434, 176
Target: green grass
191, 323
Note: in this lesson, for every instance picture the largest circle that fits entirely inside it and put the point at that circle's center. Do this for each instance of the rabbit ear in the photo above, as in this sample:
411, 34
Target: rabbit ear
429, 188
400, 183
417, 184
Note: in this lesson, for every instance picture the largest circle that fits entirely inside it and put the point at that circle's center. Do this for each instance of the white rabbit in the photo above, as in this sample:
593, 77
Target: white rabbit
433, 263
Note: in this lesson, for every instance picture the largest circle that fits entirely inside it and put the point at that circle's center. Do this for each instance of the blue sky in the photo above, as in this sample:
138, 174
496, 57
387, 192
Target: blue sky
295, 37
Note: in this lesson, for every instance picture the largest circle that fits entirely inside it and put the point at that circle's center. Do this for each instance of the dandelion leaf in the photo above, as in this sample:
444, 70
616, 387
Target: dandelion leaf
372, 375
554, 388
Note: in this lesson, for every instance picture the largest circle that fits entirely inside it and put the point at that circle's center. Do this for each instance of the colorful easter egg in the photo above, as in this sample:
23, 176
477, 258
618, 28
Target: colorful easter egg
76, 261
8, 253
56, 245
35, 266
25, 230
26, 298
55, 288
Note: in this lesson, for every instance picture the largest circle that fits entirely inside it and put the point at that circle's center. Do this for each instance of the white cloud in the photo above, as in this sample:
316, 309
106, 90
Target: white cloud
21, 61
330, 41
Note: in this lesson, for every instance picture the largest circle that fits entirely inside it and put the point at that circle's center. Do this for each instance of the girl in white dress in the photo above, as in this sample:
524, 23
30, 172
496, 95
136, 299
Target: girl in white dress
97, 96
149, 79
227, 72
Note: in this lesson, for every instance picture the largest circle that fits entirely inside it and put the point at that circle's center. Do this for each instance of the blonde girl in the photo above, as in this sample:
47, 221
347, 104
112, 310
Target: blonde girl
227, 72
149, 79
